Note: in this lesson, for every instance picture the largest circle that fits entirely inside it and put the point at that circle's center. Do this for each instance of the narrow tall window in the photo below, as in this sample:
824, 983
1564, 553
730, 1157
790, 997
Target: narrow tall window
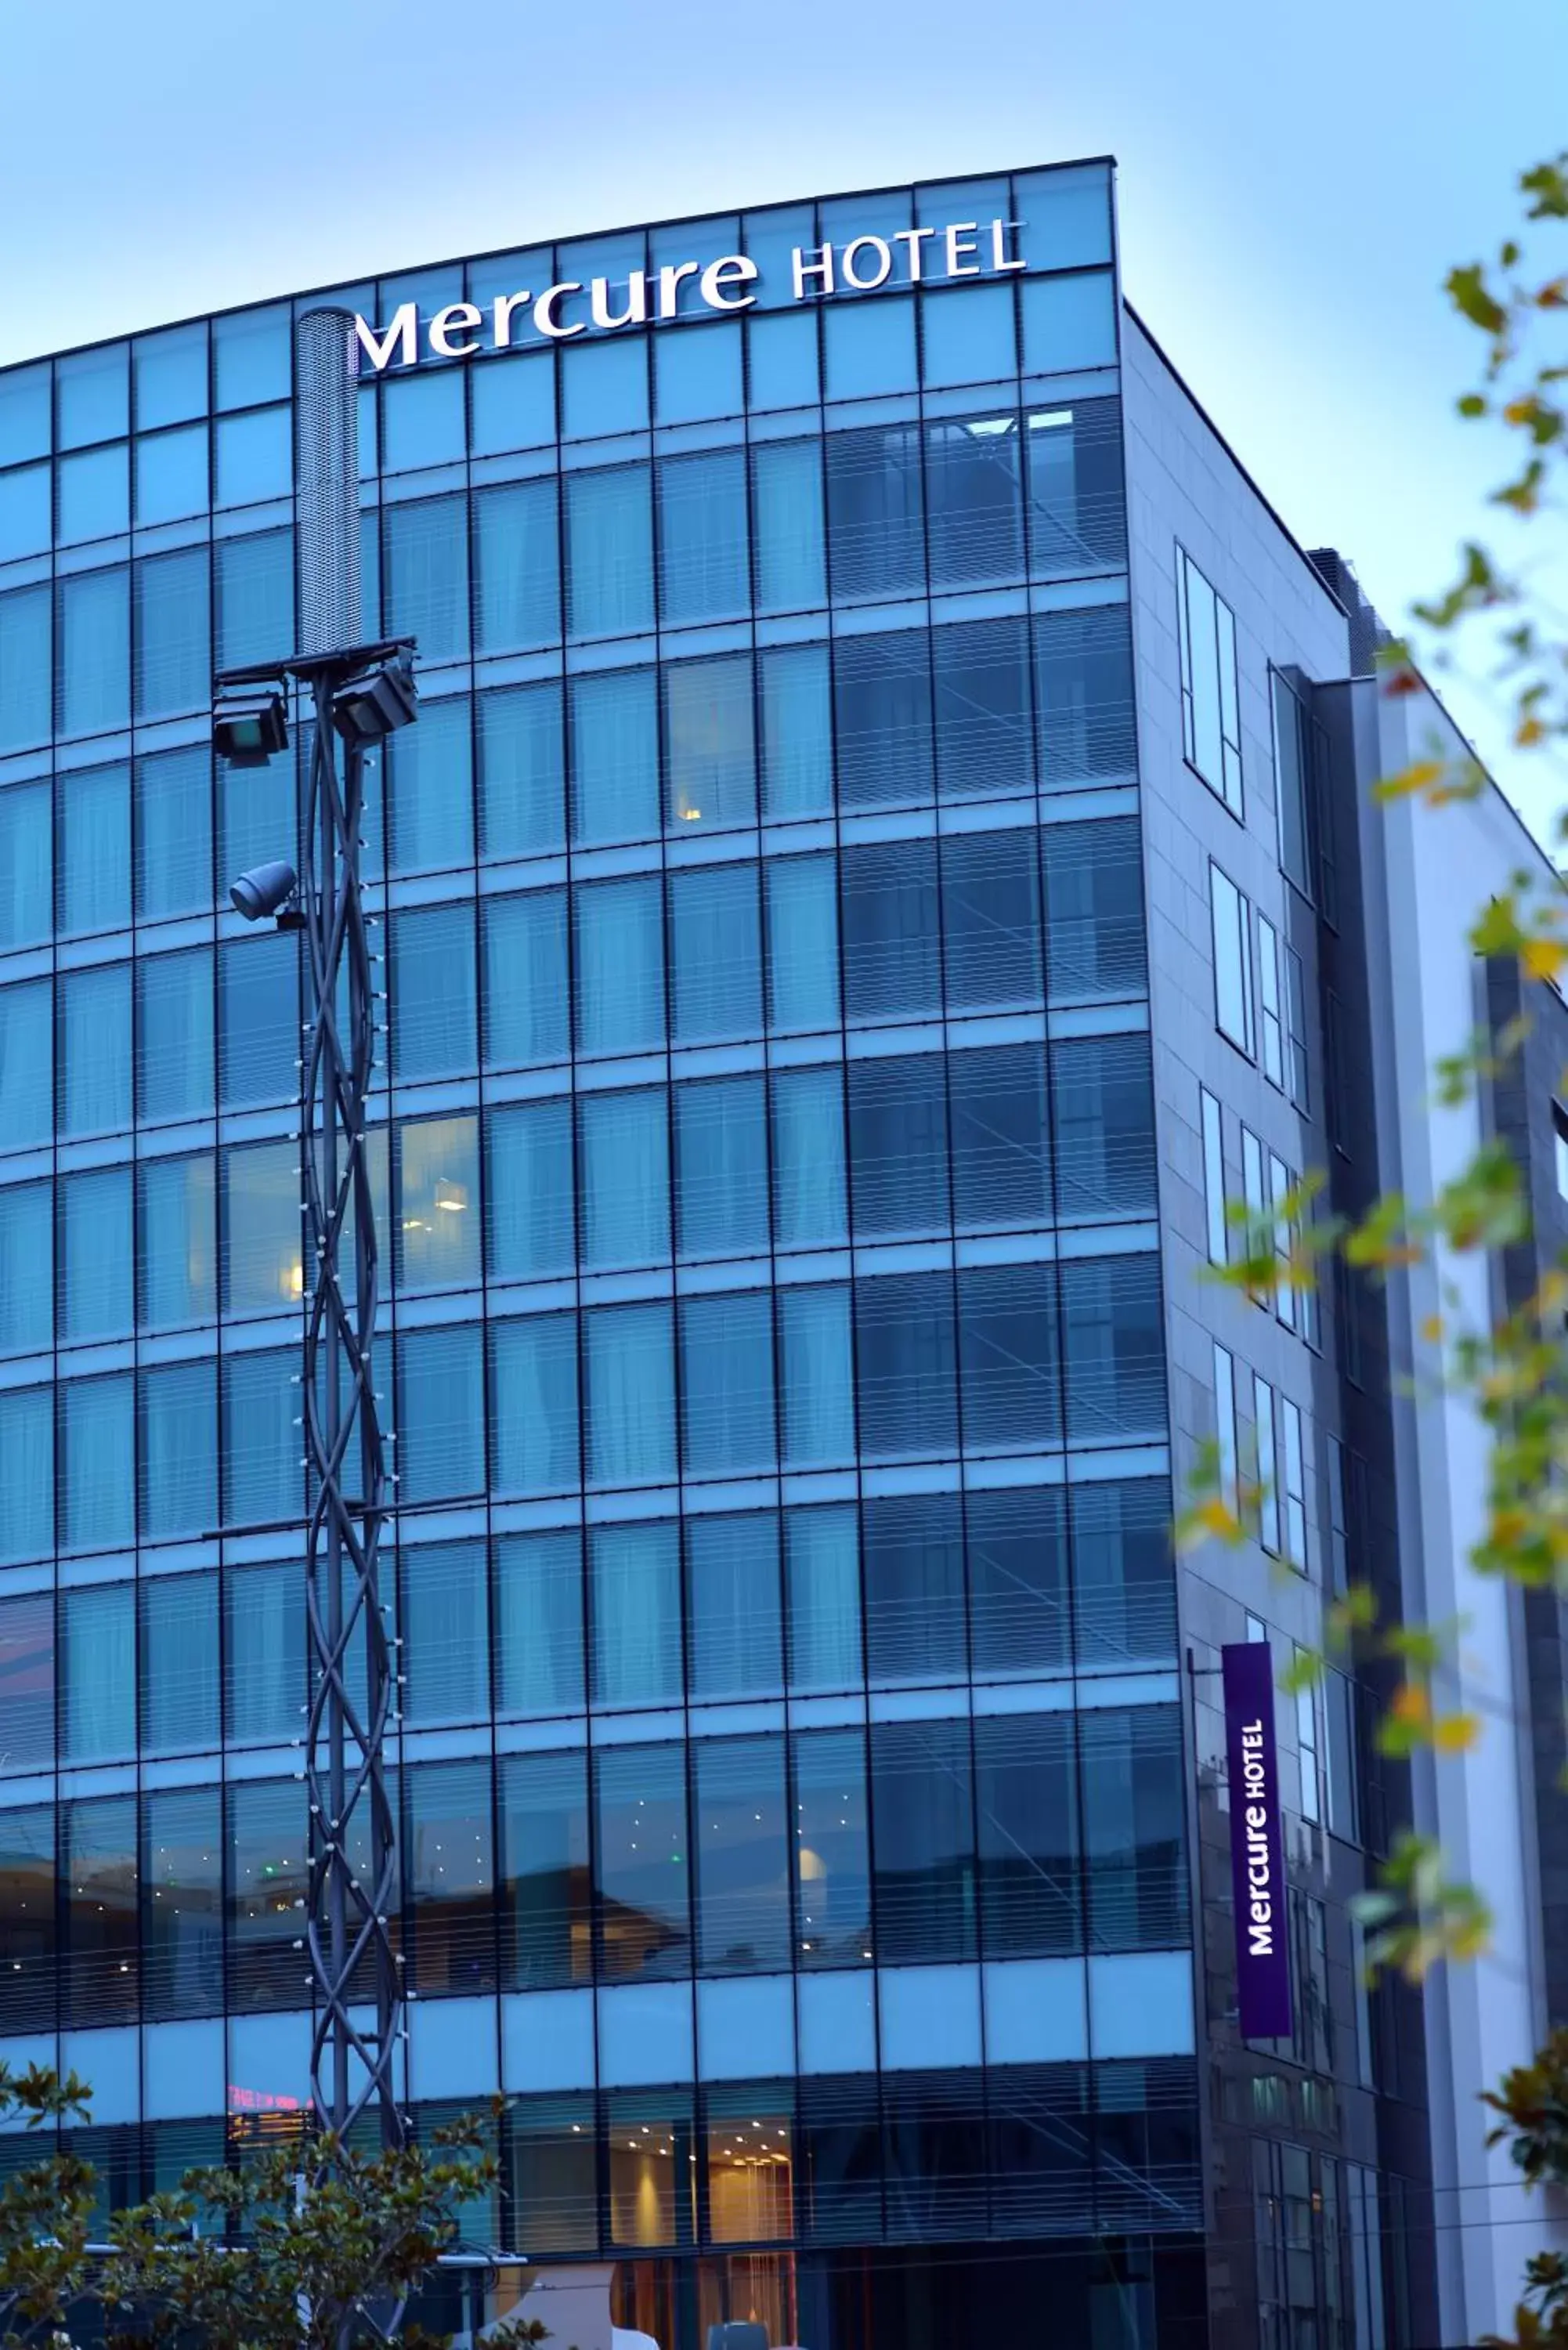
1292, 1467
1296, 1072
1211, 727
1230, 915
1213, 1178
1297, 748
1225, 1423
1338, 1519
1253, 1192
1307, 1740
1280, 1183
1271, 1003
1559, 1147
1268, 1474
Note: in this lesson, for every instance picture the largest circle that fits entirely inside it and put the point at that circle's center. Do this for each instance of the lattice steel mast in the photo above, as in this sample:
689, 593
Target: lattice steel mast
359, 692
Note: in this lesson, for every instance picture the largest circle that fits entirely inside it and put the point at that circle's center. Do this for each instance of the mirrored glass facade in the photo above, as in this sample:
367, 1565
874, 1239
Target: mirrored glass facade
795, 1770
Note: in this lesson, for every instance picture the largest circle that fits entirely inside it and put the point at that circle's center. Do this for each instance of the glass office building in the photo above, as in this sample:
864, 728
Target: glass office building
801, 1801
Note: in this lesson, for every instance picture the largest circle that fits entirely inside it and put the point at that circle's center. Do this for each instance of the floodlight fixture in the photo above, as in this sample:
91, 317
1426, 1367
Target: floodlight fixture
377, 700
265, 889
250, 723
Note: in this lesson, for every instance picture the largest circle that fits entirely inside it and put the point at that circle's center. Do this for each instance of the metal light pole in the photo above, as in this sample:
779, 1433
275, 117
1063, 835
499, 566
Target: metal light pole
359, 692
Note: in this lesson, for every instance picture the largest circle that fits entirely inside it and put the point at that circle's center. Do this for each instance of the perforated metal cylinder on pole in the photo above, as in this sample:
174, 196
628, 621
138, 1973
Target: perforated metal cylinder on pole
326, 480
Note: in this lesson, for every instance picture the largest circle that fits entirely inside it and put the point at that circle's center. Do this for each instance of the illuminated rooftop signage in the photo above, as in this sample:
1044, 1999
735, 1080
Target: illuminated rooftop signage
911, 256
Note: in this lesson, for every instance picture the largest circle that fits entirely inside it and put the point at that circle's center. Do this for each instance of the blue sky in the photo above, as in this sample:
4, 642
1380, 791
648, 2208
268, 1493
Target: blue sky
1294, 183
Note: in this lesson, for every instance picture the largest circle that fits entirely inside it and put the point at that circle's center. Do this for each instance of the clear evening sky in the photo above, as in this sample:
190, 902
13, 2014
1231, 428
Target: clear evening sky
1294, 182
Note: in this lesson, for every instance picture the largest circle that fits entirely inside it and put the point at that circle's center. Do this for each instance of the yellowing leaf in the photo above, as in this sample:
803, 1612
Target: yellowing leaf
1419, 777
1543, 958
1456, 1733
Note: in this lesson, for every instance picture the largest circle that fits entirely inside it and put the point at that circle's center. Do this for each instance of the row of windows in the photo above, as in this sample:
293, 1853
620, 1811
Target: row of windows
973, 710
1263, 1462
1268, 1021
1001, 1358
244, 359
1268, 1210
901, 1590
905, 1146
1013, 1836
599, 388
888, 931
870, 515
915, 2157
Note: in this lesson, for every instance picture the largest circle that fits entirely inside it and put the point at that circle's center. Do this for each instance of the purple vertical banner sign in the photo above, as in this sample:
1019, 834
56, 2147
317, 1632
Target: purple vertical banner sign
1257, 1841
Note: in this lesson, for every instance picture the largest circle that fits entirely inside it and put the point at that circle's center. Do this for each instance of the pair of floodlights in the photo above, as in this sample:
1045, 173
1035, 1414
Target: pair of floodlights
250, 726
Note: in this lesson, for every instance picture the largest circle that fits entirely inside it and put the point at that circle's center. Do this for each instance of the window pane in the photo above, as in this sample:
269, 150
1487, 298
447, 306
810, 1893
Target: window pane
882, 717
95, 1050
446, 1630
899, 1145
25, 669
742, 1855
1093, 911
1083, 683
635, 1611
876, 512
27, 1267
263, 1483
179, 1663
870, 348
809, 1204
262, 1250
98, 1878
517, 565
96, 1254
92, 496
625, 1179
534, 1403
27, 1088
177, 1409
258, 1010
822, 1568
253, 586
440, 1413
539, 1623
797, 731
264, 1685
1008, 1344
1000, 1166
174, 833
615, 756
432, 789
1113, 1342
892, 967
643, 1866
786, 506
698, 374
990, 921
182, 1919
1027, 1801
923, 1829
803, 941
704, 572
1077, 520
25, 863
1102, 1095
170, 475
631, 1395
528, 1205
438, 1213
721, 1167
913, 1556
544, 1871
27, 1474
174, 1045
984, 739
817, 1369
736, 1639
905, 1367
619, 965
833, 1867
526, 1017
27, 1861
95, 1465
94, 877
710, 747
426, 555
421, 420
433, 981
268, 1874
255, 456
514, 404
173, 634
976, 509
728, 1427
609, 552
1019, 1615
94, 651
1134, 1837
521, 772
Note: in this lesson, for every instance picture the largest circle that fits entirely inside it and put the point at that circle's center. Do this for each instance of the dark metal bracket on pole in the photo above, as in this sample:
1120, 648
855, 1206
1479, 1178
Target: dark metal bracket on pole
359, 692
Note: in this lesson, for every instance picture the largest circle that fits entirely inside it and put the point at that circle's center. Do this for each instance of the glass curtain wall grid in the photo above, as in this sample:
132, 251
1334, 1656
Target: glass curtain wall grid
766, 1139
